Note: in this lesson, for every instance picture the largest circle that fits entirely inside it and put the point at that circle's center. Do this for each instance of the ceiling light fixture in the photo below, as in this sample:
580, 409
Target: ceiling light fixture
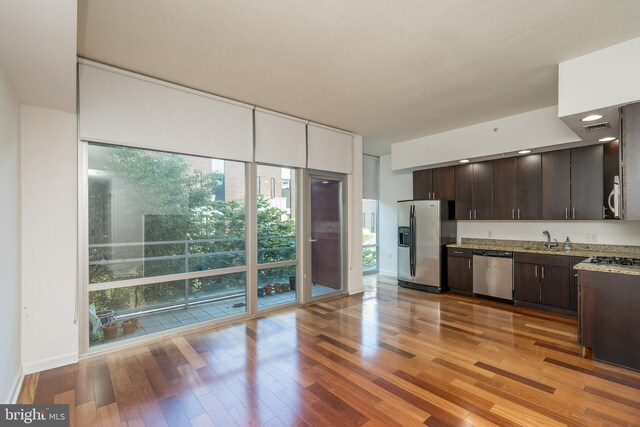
591, 118
524, 151
464, 161
607, 139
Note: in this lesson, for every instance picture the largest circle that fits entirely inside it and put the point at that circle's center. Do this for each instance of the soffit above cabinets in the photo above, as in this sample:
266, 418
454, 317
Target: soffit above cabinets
391, 74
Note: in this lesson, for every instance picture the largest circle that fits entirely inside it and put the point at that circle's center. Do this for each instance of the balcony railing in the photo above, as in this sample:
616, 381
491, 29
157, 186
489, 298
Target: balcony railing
120, 262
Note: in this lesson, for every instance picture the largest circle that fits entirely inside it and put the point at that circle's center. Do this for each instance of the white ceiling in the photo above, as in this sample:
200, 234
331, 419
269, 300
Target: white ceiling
388, 70
38, 51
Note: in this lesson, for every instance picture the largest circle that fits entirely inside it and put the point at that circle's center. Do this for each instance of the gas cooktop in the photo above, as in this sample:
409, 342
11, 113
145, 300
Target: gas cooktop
634, 262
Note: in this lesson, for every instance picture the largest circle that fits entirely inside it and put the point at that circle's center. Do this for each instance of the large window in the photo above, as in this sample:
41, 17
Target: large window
165, 232
276, 220
369, 236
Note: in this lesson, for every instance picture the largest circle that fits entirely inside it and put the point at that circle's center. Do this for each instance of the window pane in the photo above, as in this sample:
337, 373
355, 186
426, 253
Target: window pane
369, 237
276, 214
276, 286
369, 258
134, 299
153, 213
161, 306
218, 287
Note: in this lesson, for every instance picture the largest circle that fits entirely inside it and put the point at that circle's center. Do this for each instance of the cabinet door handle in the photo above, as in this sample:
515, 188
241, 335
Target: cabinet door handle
604, 213
536, 271
513, 214
475, 214
518, 213
469, 263
434, 195
573, 212
542, 268
470, 214
458, 252
566, 213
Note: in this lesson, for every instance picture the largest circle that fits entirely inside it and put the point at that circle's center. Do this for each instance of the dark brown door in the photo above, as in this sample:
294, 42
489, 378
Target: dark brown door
326, 235
463, 183
586, 182
422, 182
555, 286
504, 184
483, 190
529, 187
443, 187
556, 184
460, 274
526, 282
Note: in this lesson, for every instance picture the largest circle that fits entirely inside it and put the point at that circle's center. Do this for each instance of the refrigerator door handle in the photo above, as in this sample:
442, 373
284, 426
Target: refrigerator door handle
412, 248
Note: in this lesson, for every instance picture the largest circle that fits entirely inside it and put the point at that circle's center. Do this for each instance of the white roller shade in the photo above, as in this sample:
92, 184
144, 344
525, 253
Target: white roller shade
329, 150
280, 140
123, 108
370, 177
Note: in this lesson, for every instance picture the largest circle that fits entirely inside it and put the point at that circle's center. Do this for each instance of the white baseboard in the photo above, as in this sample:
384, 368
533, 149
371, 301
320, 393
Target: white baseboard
358, 290
53, 362
390, 273
16, 386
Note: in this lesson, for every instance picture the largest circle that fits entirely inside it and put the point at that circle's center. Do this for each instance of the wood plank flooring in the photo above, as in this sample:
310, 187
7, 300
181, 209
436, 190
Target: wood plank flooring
389, 357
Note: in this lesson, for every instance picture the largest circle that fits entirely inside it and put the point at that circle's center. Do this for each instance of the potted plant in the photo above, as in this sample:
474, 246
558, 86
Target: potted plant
129, 326
278, 287
260, 292
285, 287
267, 288
110, 330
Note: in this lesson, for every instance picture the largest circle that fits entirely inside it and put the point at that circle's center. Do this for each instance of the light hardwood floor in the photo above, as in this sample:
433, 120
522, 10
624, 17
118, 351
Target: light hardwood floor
388, 357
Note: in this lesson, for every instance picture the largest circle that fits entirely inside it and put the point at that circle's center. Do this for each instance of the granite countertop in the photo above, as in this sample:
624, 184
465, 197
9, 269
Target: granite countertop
585, 250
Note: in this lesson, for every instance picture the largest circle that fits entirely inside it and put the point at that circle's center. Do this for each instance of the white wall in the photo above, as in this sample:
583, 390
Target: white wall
10, 365
604, 78
394, 186
606, 232
538, 128
49, 237
356, 284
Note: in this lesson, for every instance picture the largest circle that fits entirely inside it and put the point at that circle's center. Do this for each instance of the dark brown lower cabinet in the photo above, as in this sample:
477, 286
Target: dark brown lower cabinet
609, 316
543, 281
526, 286
555, 286
573, 286
460, 270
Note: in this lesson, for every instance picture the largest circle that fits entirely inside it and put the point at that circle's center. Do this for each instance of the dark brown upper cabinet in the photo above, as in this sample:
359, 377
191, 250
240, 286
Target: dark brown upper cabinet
611, 169
517, 185
587, 182
572, 183
474, 190
434, 184
556, 185
422, 184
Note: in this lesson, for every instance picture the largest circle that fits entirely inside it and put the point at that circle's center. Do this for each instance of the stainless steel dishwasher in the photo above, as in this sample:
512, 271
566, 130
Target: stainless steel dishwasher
493, 274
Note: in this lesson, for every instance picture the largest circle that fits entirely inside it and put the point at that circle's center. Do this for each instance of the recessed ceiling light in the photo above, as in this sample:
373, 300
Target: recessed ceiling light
464, 161
607, 139
524, 151
325, 182
591, 118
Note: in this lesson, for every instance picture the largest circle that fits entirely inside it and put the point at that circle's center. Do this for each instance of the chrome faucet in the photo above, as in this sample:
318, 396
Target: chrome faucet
548, 244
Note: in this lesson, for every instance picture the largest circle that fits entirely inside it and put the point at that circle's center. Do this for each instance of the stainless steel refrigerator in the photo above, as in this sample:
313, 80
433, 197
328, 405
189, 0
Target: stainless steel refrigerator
424, 229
